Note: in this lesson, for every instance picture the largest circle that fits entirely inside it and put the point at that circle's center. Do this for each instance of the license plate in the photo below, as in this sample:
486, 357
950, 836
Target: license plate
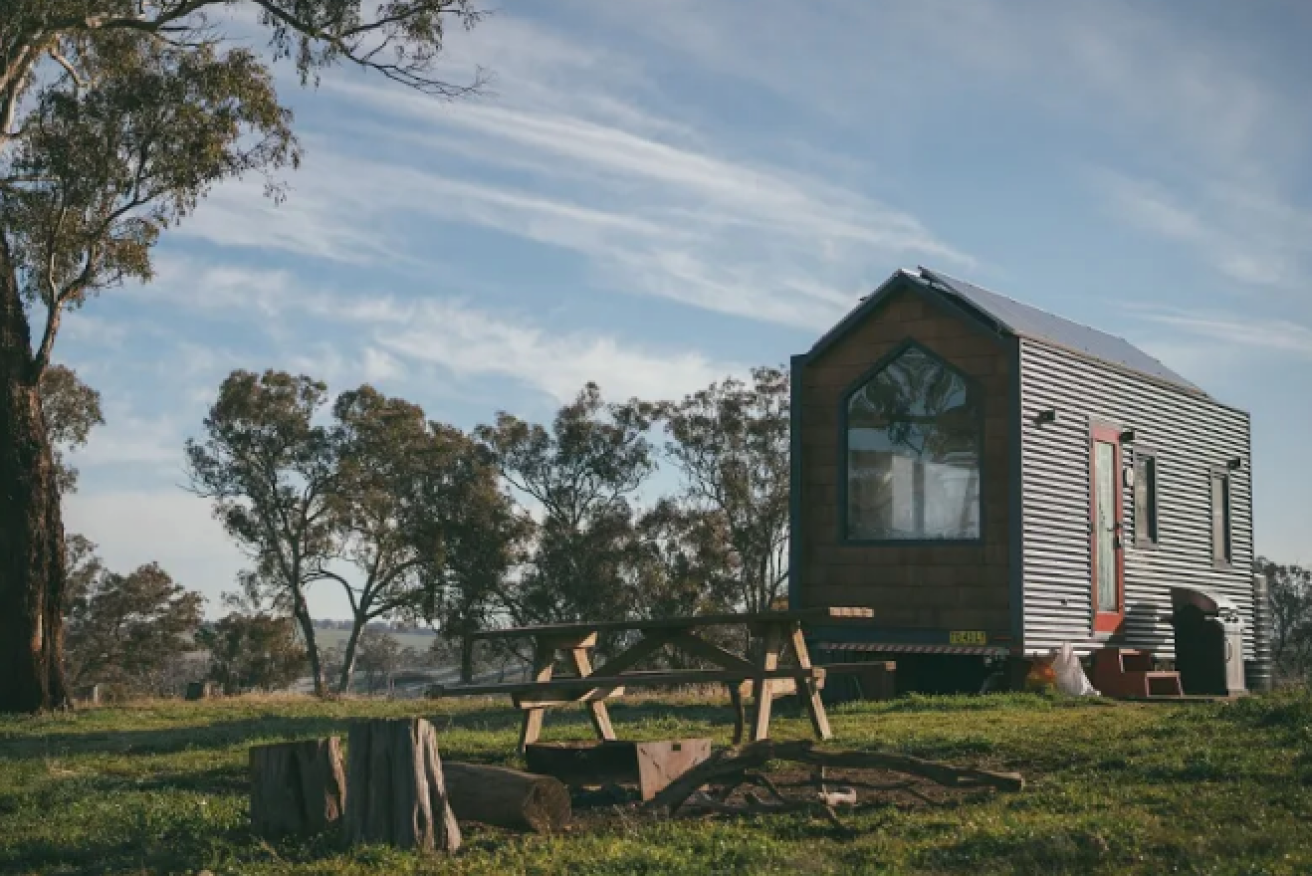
968, 637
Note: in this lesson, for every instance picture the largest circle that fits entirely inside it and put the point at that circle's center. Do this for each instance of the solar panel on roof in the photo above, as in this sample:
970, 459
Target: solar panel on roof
1026, 321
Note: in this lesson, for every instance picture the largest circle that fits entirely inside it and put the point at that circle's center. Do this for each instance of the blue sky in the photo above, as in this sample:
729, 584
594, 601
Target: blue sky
659, 194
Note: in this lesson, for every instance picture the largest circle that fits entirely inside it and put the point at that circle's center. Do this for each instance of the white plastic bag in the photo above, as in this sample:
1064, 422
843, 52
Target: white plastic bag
1070, 674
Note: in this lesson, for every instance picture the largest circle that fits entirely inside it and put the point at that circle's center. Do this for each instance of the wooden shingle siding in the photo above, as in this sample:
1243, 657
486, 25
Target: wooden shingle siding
932, 586
1190, 435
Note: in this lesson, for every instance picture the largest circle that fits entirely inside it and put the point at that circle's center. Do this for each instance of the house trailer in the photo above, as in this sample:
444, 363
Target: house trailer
994, 481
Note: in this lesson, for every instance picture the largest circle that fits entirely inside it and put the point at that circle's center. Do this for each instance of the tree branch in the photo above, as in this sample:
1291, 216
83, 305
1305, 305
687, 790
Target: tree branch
78, 81
321, 574
55, 305
402, 16
161, 23
409, 75
11, 84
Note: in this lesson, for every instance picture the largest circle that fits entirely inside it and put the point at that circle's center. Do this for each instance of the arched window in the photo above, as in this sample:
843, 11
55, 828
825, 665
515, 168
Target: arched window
913, 444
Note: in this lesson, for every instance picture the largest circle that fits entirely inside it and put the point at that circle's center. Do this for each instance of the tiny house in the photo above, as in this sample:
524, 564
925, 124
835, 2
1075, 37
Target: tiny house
994, 480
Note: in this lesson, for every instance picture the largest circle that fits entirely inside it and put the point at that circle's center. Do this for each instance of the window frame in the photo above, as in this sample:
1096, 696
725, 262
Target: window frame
974, 387
1225, 558
1140, 455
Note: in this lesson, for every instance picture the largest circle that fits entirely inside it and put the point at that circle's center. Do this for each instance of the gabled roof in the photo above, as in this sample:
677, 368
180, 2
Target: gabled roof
1006, 316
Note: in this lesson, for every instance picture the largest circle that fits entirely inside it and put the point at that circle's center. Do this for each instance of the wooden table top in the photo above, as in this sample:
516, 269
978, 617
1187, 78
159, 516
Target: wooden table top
803, 615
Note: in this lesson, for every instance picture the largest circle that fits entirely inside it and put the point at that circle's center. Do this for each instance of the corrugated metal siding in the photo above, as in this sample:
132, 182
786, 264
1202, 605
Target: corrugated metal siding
1189, 434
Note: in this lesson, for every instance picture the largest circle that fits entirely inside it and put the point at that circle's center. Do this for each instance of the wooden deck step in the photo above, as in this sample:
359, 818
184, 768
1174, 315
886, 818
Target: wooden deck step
1163, 684
1128, 672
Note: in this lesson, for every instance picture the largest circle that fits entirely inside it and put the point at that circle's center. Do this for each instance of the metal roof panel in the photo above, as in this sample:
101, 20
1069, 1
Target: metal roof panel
1031, 322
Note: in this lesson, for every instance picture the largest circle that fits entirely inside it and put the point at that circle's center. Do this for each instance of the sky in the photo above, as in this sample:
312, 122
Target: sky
657, 195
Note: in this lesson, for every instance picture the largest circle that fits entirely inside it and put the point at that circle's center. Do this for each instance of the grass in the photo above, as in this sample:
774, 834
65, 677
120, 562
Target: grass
160, 787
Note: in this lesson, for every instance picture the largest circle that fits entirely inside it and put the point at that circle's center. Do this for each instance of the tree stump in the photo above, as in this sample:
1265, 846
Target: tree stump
199, 690
398, 793
507, 798
297, 787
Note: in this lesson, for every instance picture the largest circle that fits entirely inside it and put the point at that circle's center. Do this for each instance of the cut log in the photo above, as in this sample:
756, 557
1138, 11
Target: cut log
507, 798
398, 794
297, 787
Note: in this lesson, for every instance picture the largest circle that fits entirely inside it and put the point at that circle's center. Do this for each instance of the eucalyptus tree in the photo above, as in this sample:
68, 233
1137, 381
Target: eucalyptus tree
70, 409
129, 631
575, 482
116, 118
419, 518
405, 516
270, 470
730, 442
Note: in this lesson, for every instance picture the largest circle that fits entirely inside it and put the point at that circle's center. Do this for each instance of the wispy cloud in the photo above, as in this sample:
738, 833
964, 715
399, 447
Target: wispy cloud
472, 343
309, 222
1249, 237
1152, 76
377, 334
1229, 329
1213, 138
168, 526
129, 439
572, 155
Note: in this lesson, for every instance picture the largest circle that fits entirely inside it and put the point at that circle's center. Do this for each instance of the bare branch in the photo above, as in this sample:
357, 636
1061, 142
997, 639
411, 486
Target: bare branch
409, 75
78, 81
322, 574
470, 18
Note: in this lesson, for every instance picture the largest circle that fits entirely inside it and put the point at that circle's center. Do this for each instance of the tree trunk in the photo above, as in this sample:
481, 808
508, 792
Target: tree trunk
302, 613
297, 787
32, 573
466, 658
397, 791
348, 656
507, 798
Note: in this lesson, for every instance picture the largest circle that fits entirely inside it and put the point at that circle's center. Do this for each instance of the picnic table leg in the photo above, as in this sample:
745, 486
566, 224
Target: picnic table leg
815, 707
597, 708
544, 659
763, 688
739, 712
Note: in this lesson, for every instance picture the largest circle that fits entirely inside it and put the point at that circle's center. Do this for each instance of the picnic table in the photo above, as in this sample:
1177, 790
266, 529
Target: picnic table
777, 632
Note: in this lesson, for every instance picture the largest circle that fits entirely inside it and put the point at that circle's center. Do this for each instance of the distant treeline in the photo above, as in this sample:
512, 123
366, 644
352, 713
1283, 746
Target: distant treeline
381, 626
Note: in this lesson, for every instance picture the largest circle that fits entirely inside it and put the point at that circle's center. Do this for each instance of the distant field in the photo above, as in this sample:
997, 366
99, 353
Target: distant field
418, 641
1114, 788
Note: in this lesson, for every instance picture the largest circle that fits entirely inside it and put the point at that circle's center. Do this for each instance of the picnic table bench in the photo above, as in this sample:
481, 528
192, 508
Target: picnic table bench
778, 633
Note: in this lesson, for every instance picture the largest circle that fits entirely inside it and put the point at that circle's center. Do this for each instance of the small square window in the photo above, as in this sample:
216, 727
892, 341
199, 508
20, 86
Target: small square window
1145, 499
1221, 546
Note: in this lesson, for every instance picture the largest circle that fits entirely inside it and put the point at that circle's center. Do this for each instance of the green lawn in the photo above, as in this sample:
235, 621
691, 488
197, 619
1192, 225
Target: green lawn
1114, 788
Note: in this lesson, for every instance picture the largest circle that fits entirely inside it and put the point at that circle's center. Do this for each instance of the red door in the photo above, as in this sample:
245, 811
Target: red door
1106, 512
